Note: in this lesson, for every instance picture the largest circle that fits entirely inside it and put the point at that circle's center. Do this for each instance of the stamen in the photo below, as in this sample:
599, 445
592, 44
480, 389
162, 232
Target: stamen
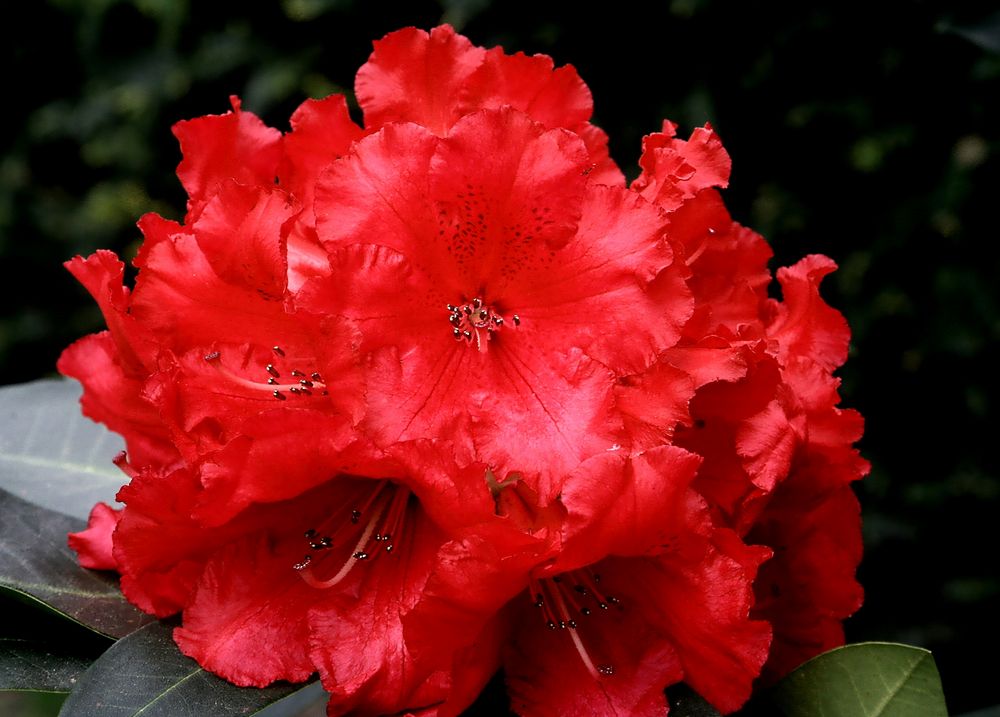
561, 597
577, 642
475, 322
385, 504
301, 387
304, 563
356, 555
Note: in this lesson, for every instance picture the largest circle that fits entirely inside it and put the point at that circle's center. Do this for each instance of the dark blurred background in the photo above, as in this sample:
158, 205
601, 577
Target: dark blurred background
868, 132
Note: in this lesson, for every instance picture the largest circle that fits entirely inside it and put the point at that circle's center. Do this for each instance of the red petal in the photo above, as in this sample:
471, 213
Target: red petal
711, 359
603, 169
804, 325
675, 170
379, 192
471, 582
247, 622
256, 467
114, 398
533, 85
808, 588
832, 431
495, 197
322, 131
700, 595
472, 667
415, 76
161, 550
437, 78
216, 148
610, 280
729, 273
732, 445
767, 443
454, 493
240, 233
357, 639
181, 298
556, 97
101, 274
489, 558
741, 399
93, 545
654, 403
506, 193
623, 505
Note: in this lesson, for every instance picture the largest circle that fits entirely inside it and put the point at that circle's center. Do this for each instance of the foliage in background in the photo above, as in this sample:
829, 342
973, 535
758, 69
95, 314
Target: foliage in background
866, 132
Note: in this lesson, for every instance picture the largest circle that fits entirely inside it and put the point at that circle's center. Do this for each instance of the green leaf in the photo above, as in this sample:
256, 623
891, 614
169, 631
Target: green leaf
42, 654
870, 679
50, 454
36, 563
146, 674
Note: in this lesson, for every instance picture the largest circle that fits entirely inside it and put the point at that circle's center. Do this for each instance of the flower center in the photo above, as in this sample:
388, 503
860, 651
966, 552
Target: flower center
278, 378
565, 598
361, 529
475, 322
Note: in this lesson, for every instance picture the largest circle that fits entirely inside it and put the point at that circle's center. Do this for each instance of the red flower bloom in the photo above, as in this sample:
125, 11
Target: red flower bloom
490, 282
449, 382
324, 581
645, 592
778, 455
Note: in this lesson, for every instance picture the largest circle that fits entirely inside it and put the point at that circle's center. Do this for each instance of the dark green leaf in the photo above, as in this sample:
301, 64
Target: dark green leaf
310, 701
50, 454
42, 653
36, 562
39, 665
146, 674
871, 679
685, 702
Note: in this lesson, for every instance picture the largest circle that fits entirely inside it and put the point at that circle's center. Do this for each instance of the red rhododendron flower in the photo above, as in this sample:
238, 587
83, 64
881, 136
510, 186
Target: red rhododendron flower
778, 453
646, 592
489, 282
264, 599
448, 396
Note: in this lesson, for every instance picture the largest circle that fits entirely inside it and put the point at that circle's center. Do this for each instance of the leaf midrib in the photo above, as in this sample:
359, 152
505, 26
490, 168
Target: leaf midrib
895, 690
39, 462
165, 692
28, 588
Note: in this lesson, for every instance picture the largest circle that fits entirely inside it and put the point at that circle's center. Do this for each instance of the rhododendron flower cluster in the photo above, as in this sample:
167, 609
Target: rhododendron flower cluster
412, 402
